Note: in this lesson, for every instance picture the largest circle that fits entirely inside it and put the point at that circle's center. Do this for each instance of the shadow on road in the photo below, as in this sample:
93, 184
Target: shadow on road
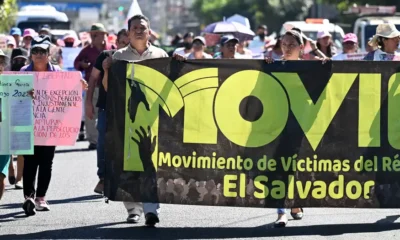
51, 202
12, 216
101, 231
74, 150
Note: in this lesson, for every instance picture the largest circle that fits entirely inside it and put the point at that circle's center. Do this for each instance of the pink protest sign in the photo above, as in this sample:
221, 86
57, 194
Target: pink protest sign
57, 107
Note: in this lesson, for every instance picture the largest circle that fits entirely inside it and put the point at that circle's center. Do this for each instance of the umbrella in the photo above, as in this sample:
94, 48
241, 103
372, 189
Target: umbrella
239, 30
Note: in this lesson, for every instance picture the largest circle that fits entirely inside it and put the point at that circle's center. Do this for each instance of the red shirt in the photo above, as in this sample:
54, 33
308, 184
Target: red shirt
89, 54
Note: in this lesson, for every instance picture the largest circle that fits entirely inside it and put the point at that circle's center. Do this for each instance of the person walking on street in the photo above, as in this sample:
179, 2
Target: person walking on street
385, 42
350, 45
100, 71
85, 62
42, 159
138, 49
27, 37
199, 45
228, 47
292, 49
16, 33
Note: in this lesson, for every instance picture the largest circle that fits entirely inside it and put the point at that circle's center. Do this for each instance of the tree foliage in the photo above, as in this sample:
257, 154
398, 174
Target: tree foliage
270, 12
8, 12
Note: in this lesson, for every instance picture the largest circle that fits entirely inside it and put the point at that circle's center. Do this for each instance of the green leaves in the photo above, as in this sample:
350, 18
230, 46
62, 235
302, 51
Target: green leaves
270, 12
8, 12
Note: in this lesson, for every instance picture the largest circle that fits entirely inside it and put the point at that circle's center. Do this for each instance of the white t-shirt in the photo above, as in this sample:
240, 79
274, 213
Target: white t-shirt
339, 57
191, 56
180, 51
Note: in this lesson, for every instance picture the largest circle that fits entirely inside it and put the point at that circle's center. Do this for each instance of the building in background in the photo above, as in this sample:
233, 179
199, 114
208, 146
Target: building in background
169, 17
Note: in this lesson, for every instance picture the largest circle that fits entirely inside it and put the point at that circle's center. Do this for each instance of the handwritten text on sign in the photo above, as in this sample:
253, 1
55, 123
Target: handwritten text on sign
57, 107
16, 117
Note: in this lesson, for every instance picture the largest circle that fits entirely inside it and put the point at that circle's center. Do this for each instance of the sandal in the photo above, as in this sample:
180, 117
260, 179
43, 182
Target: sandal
297, 216
281, 221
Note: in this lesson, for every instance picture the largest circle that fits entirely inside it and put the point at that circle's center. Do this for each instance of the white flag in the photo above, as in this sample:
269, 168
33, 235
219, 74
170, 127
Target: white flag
133, 10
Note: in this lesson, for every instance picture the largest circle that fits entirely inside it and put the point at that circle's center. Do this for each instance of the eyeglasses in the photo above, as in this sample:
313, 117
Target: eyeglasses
38, 51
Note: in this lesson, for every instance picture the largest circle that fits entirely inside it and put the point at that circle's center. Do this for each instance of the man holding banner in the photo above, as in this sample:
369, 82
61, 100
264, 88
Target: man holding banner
140, 49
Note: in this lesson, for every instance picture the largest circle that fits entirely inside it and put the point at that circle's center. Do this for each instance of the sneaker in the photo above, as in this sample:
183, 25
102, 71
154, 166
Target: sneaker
99, 189
281, 221
133, 218
151, 219
299, 215
19, 185
29, 207
92, 146
81, 136
41, 204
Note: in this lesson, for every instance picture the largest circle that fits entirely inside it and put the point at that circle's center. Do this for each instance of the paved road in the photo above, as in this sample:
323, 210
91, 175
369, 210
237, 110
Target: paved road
77, 213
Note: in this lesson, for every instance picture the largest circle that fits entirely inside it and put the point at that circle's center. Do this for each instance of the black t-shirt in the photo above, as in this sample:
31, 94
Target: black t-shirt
101, 102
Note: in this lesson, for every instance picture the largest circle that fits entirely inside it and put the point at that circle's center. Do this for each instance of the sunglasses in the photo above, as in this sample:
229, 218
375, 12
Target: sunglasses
38, 51
19, 60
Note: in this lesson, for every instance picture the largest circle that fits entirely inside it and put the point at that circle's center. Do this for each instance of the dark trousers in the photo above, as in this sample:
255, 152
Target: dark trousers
42, 160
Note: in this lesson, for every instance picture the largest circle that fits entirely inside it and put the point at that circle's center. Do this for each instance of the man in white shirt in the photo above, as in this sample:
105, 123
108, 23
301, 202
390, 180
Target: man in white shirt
138, 49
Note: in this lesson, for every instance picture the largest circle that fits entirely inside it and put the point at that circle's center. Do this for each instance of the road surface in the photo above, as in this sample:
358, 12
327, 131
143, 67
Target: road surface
78, 213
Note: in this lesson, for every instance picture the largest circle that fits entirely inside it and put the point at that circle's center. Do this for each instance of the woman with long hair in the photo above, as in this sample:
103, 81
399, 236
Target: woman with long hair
325, 44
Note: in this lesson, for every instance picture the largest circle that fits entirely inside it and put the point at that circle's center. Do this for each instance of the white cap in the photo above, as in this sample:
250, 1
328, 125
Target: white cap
323, 33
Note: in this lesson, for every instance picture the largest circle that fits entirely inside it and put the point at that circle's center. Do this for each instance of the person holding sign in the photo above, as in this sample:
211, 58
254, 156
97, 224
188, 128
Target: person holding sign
292, 49
386, 40
42, 159
4, 159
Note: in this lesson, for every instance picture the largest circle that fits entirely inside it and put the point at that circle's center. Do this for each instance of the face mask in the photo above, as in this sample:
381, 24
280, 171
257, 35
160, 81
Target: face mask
17, 66
261, 35
69, 44
187, 45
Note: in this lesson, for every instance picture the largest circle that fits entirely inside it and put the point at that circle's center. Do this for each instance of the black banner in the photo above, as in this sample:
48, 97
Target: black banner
251, 134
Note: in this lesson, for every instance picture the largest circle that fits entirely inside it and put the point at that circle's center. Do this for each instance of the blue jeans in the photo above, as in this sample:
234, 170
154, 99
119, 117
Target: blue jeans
281, 210
101, 128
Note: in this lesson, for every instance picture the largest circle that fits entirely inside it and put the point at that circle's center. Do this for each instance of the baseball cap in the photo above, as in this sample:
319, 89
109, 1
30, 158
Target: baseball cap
350, 37
45, 28
323, 33
42, 41
10, 41
2, 54
98, 27
201, 39
19, 53
228, 38
29, 32
15, 31
263, 26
